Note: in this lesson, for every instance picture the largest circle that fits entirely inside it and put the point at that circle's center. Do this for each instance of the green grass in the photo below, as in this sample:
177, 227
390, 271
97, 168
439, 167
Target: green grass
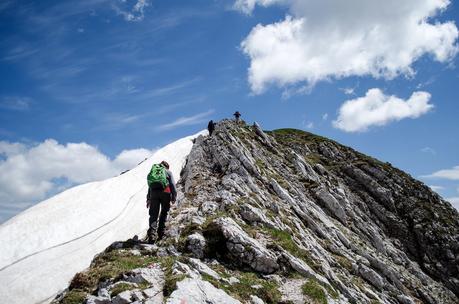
295, 135
315, 292
189, 229
284, 239
108, 265
344, 262
170, 279
75, 296
268, 292
119, 288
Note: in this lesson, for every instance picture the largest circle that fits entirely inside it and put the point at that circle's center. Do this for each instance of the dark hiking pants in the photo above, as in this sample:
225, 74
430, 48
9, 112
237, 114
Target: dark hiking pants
159, 200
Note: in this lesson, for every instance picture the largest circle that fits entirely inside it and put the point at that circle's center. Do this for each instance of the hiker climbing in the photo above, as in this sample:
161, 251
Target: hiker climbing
161, 193
211, 127
237, 115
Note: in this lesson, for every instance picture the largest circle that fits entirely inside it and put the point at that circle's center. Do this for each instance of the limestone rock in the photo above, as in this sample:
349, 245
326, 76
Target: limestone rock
196, 244
203, 268
253, 215
243, 249
97, 300
199, 291
152, 275
371, 276
261, 207
256, 300
332, 204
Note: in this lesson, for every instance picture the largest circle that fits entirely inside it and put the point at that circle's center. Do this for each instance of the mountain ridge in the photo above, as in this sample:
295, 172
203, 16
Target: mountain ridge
285, 217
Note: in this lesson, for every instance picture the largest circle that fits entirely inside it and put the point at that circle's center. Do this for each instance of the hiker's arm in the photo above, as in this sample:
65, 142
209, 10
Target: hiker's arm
172, 186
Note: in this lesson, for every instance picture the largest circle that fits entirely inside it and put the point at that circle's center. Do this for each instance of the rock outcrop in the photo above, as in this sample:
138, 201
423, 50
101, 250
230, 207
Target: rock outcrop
286, 216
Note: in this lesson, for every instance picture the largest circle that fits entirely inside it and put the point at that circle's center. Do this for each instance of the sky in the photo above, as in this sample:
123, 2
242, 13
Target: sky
89, 88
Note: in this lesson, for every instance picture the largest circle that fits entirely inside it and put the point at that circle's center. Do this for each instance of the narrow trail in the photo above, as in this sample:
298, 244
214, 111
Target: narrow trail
77, 238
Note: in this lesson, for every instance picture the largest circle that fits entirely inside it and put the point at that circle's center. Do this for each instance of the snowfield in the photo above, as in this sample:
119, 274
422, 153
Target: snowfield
43, 247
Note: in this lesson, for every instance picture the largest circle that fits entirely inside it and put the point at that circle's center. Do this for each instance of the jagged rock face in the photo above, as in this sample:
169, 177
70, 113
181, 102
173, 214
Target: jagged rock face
369, 230
290, 217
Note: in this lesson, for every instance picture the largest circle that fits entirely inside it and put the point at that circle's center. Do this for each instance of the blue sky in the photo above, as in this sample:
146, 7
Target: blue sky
97, 85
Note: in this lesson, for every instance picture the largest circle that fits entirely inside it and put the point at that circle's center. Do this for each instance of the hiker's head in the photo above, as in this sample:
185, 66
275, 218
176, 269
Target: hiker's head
165, 164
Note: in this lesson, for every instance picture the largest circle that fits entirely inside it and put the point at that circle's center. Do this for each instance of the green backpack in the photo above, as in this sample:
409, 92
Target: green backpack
157, 178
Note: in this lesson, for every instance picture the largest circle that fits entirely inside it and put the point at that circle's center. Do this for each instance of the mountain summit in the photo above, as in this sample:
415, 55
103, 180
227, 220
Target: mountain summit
285, 217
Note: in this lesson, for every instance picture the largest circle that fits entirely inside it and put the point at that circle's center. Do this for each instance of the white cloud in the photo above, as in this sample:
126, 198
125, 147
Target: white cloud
325, 116
328, 39
8, 149
378, 109
349, 91
132, 13
247, 6
436, 188
451, 174
128, 159
429, 150
308, 124
187, 121
454, 201
30, 173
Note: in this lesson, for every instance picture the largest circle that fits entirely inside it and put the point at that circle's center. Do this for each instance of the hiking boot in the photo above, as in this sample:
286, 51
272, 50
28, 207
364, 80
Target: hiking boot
151, 236
151, 240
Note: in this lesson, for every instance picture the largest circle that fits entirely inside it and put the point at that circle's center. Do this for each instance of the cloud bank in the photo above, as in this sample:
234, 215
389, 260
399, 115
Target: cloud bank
378, 109
451, 174
454, 201
329, 39
31, 173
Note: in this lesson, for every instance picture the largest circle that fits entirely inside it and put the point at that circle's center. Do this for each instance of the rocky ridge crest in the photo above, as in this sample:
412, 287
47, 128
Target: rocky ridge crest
286, 217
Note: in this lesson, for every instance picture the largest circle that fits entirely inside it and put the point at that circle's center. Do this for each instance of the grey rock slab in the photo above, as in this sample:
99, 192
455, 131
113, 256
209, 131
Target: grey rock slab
123, 298
371, 276
154, 294
208, 208
151, 275
203, 268
282, 193
103, 292
244, 249
405, 299
303, 268
332, 204
233, 280
193, 291
97, 300
256, 300
305, 169
181, 268
252, 214
196, 244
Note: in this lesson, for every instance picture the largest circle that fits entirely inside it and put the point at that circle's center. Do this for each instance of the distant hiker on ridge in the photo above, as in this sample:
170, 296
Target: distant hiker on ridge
237, 115
211, 127
161, 193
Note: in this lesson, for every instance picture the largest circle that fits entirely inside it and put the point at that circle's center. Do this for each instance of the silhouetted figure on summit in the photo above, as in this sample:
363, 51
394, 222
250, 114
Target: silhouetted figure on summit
237, 115
211, 127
